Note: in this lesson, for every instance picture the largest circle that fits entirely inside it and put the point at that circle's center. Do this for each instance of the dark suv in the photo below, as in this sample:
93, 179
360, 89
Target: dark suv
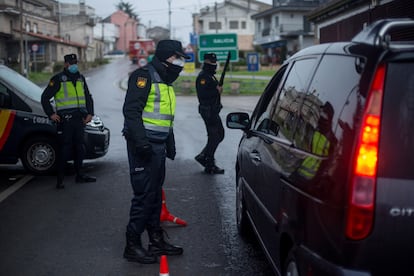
325, 175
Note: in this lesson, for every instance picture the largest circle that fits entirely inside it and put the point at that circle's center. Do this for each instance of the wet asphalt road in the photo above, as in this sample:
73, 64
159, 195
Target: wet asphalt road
80, 230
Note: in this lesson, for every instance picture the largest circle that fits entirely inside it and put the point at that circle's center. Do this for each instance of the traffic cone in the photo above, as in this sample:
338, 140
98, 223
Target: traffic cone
167, 216
164, 266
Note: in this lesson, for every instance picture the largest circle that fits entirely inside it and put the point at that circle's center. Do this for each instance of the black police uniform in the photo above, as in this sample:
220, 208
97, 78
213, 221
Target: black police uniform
209, 109
147, 152
71, 126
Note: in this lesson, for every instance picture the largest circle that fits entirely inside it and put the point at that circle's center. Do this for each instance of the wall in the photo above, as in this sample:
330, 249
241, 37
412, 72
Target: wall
127, 29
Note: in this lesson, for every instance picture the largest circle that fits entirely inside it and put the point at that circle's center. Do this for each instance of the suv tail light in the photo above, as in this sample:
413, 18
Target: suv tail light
361, 199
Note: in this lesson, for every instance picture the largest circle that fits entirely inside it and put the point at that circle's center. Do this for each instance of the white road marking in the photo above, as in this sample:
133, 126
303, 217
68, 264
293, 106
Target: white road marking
13, 188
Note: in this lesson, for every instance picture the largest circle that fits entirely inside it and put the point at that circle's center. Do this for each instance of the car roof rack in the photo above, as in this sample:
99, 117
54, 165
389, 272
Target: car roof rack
381, 33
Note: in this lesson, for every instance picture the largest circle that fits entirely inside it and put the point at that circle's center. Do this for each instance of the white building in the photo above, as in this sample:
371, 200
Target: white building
230, 16
284, 29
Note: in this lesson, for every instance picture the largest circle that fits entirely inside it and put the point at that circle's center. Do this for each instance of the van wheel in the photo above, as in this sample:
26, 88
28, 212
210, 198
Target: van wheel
291, 267
39, 155
243, 224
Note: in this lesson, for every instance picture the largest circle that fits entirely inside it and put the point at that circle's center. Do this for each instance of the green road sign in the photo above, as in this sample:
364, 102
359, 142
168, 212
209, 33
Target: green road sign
220, 44
221, 54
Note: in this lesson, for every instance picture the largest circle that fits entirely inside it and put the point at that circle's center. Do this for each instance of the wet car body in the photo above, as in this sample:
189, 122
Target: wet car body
324, 176
26, 133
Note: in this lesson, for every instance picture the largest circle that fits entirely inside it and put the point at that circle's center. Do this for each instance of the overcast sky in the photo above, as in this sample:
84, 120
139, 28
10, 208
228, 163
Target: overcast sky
155, 12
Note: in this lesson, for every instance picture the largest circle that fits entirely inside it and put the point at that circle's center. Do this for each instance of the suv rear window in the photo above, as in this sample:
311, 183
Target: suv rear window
396, 156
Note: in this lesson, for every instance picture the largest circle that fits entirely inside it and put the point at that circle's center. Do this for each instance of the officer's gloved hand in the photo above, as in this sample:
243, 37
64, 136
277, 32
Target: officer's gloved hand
144, 152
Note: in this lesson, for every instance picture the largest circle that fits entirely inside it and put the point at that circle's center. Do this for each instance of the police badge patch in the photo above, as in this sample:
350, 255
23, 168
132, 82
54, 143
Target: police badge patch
141, 82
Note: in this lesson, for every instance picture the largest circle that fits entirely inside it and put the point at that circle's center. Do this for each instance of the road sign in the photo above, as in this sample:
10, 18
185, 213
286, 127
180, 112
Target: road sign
220, 44
35, 47
253, 62
189, 66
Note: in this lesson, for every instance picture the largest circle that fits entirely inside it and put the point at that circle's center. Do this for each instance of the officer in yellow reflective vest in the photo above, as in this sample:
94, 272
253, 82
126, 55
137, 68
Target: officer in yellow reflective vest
149, 110
73, 109
322, 143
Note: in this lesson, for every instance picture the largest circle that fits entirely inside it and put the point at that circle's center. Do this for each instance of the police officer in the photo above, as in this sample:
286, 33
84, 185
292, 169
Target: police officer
74, 109
208, 93
149, 110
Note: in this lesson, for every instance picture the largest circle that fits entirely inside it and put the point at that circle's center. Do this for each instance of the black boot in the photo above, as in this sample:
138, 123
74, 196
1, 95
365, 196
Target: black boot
83, 178
201, 158
134, 252
158, 246
211, 167
213, 170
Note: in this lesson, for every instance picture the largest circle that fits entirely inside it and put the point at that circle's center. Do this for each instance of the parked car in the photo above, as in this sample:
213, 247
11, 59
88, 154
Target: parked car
26, 133
324, 169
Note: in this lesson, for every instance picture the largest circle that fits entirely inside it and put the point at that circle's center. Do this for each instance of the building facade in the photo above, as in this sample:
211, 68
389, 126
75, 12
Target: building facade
341, 20
33, 32
230, 16
128, 29
284, 29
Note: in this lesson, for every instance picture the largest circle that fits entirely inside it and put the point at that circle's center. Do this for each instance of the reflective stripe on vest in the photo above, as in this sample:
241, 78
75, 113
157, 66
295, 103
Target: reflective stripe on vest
310, 165
70, 96
158, 114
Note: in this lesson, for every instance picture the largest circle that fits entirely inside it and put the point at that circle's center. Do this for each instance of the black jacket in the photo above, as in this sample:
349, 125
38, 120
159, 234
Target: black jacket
139, 87
207, 92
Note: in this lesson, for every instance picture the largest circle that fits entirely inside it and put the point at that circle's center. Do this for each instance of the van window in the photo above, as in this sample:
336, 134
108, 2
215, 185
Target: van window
286, 109
22, 84
396, 156
326, 99
5, 99
261, 114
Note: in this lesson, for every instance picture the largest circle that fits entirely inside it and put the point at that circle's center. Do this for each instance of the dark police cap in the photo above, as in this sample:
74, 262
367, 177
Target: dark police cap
211, 57
167, 48
71, 58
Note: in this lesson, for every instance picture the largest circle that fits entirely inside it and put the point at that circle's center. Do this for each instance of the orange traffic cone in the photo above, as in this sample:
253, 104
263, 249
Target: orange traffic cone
164, 266
167, 216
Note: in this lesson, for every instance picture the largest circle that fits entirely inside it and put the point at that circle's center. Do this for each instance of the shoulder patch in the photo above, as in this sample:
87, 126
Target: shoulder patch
141, 82
203, 81
51, 83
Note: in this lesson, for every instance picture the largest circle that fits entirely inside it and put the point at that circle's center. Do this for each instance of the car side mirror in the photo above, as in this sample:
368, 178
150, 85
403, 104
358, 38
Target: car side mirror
238, 120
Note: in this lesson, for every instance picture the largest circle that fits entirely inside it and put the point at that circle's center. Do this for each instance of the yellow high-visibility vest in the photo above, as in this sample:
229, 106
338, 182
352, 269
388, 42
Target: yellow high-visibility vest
159, 111
70, 96
310, 165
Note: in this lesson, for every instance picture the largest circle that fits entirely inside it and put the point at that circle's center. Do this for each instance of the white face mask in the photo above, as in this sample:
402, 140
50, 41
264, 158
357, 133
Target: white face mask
179, 62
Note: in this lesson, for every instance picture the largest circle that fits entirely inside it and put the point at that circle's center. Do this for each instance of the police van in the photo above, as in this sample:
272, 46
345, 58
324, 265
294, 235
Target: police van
28, 135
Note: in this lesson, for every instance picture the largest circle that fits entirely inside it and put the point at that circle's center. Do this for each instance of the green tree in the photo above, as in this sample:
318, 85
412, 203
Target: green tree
127, 8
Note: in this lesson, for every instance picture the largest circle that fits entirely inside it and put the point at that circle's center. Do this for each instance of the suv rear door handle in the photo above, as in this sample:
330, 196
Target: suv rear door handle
255, 156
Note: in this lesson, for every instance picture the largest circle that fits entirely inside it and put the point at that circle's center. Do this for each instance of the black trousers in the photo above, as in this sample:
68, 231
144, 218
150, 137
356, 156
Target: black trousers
71, 131
215, 134
147, 178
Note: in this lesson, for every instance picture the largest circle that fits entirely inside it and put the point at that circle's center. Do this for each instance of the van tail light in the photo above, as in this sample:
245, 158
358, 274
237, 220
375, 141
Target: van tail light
361, 200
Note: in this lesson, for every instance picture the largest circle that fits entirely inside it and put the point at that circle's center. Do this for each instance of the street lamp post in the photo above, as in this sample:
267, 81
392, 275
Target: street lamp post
169, 17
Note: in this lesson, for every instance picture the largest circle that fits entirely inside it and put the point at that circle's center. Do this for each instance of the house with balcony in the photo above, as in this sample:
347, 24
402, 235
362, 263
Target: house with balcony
128, 29
230, 16
36, 31
284, 29
108, 34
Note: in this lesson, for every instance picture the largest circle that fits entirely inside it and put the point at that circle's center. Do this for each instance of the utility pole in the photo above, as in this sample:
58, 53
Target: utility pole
215, 13
21, 39
59, 21
169, 17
